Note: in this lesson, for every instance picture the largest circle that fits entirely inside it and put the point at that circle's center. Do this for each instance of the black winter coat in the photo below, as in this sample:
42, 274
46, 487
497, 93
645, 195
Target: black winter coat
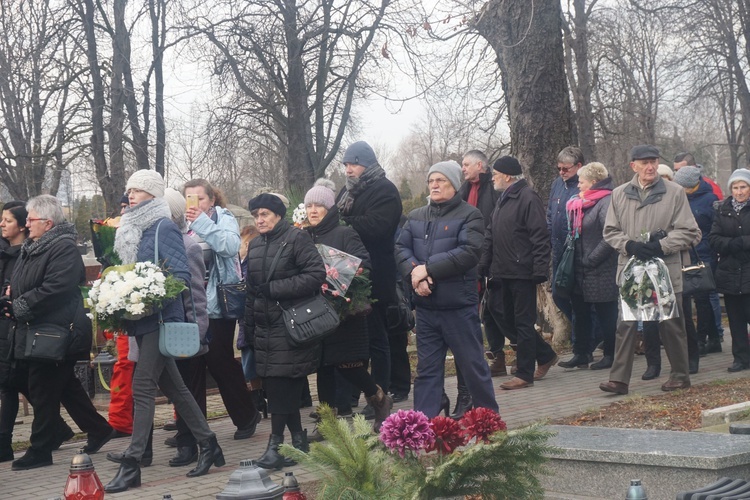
299, 274
488, 195
375, 215
595, 260
8, 257
516, 243
350, 341
557, 217
44, 289
733, 270
447, 237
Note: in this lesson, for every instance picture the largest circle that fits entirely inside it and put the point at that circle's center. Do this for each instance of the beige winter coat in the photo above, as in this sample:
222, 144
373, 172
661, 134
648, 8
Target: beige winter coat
664, 207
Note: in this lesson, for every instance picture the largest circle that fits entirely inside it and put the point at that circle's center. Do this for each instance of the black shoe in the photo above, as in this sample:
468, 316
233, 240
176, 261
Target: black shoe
95, 443
445, 404
692, 366
737, 367
355, 402
32, 459
171, 442
713, 345
210, 454
171, 425
146, 460
271, 459
66, 435
368, 412
249, 429
602, 364
344, 412
6, 455
119, 434
577, 361
301, 442
464, 403
399, 397
128, 476
185, 455
651, 372
702, 349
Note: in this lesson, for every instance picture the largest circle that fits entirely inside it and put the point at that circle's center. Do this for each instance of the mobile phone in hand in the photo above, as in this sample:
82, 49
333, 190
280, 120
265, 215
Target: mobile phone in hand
191, 201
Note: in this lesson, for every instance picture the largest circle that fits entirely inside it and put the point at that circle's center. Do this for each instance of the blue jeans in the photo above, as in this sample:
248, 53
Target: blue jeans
248, 364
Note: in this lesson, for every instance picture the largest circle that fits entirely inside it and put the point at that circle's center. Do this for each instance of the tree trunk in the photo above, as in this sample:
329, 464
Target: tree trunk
530, 53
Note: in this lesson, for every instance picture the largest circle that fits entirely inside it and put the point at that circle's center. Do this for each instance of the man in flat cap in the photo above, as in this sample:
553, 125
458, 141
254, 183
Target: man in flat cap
516, 254
649, 204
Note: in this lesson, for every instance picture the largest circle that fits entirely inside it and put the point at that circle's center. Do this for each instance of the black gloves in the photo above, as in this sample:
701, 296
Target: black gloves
263, 289
644, 251
539, 279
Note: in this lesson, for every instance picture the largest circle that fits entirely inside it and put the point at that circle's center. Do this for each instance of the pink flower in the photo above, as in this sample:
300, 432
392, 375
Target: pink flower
448, 435
407, 430
481, 423
324, 286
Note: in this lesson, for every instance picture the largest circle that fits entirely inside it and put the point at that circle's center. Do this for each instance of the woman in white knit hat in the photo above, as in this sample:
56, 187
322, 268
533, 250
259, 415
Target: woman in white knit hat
147, 219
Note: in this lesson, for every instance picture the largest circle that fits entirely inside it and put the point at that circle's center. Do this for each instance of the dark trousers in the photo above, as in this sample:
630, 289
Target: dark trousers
356, 376
400, 367
193, 372
606, 312
458, 330
380, 354
8, 406
652, 343
519, 312
52, 384
704, 311
227, 372
738, 314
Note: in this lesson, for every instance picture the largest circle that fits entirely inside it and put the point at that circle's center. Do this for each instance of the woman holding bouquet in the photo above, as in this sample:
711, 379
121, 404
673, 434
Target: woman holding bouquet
135, 241
347, 349
283, 267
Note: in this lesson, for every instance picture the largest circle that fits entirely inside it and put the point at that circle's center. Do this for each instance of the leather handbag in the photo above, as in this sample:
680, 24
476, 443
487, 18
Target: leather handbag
47, 341
697, 278
231, 298
309, 320
177, 339
565, 277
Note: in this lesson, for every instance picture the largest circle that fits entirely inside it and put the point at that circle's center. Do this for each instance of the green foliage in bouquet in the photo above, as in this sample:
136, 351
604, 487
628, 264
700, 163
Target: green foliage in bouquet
358, 300
356, 465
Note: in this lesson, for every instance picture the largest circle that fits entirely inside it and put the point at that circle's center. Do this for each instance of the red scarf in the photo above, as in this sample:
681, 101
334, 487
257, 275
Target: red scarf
577, 205
473, 194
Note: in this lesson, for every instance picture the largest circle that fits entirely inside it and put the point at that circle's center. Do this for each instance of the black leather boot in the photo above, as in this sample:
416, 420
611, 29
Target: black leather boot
463, 403
185, 455
299, 441
577, 361
445, 404
210, 454
128, 476
146, 460
271, 459
713, 345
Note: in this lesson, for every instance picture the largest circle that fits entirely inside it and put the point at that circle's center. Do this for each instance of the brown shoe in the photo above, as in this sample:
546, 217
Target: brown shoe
497, 367
542, 370
516, 383
614, 387
674, 385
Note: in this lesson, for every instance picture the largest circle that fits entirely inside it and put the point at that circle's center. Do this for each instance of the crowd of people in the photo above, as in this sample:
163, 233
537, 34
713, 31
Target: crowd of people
469, 260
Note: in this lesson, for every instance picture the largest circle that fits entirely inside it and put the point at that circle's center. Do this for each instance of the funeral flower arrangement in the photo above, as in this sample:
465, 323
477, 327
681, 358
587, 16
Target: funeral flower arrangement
299, 216
347, 284
419, 458
130, 292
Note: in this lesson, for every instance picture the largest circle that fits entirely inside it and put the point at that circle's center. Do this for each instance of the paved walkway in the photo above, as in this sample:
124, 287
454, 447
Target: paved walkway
561, 393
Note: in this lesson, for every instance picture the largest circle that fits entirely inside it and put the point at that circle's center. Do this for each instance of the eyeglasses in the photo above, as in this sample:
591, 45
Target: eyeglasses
563, 169
34, 219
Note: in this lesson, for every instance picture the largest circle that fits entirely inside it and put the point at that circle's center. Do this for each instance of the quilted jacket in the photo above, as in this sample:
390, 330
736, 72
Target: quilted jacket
733, 270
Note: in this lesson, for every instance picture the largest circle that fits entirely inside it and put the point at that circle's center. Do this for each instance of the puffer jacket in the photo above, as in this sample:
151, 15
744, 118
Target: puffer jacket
44, 289
223, 237
447, 237
557, 219
8, 257
375, 215
173, 259
733, 270
299, 274
702, 205
664, 206
516, 243
350, 341
595, 260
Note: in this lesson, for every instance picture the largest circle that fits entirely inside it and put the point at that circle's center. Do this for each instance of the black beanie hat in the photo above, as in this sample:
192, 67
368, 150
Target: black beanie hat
508, 165
268, 201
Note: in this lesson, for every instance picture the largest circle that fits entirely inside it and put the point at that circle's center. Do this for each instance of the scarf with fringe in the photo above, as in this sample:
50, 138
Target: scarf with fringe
134, 221
577, 205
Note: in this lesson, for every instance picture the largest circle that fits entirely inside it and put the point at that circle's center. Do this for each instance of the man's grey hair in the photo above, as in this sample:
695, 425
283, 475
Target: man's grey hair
46, 207
477, 155
570, 154
517, 177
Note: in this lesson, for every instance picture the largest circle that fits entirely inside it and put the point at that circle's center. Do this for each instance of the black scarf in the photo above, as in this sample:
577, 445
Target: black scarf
357, 185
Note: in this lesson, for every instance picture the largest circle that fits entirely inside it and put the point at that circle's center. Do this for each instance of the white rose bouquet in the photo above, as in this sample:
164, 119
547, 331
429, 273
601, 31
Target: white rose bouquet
130, 292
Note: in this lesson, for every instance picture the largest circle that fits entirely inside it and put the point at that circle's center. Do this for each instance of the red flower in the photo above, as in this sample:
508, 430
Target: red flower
448, 435
481, 423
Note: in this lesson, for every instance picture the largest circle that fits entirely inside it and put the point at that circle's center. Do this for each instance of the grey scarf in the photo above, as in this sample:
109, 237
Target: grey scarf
134, 221
63, 230
357, 185
737, 206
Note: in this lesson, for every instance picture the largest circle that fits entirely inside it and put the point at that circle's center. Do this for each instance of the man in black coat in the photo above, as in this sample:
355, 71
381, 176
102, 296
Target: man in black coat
371, 204
517, 252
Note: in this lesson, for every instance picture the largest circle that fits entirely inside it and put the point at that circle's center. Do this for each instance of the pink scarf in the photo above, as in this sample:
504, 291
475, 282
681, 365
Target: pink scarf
577, 205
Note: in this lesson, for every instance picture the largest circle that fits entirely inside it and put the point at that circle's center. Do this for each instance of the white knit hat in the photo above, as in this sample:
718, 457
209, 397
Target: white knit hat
741, 174
149, 181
